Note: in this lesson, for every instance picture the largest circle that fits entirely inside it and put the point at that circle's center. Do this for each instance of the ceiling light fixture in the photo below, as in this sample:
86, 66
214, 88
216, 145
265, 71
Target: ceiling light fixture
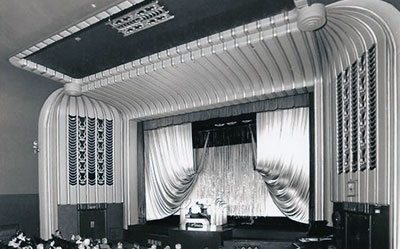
140, 19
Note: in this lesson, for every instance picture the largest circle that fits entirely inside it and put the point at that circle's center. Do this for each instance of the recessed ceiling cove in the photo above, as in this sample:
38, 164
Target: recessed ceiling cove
92, 47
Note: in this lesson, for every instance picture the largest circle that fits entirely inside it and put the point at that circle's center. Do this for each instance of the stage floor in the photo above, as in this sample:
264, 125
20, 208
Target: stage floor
232, 237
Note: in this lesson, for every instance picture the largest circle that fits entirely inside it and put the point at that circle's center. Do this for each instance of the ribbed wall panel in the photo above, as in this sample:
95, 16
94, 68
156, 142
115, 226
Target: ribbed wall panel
358, 112
91, 170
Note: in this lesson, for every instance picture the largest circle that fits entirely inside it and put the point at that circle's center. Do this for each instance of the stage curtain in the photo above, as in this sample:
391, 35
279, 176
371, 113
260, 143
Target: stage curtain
283, 159
228, 174
170, 172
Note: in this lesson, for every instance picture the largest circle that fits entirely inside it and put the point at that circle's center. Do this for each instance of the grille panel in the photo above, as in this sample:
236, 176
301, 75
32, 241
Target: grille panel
109, 152
140, 19
339, 118
72, 150
90, 151
372, 107
346, 117
363, 113
356, 115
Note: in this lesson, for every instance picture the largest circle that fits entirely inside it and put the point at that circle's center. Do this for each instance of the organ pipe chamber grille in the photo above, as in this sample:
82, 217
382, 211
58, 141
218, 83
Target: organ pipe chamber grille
356, 110
91, 171
90, 151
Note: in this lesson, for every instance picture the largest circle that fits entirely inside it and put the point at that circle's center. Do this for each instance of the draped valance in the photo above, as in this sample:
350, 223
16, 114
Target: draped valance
294, 101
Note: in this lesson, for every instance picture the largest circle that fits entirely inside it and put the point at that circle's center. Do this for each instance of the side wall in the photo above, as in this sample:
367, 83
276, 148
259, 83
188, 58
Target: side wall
21, 96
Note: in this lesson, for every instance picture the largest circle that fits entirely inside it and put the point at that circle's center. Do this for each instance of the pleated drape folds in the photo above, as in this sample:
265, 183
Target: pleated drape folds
170, 172
228, 174
283, 159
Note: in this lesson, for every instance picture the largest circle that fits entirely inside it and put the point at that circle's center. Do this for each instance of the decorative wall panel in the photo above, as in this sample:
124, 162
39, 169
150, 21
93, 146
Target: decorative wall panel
356, 115
93, 135
364, 33
72, 151
90, 171
81, 161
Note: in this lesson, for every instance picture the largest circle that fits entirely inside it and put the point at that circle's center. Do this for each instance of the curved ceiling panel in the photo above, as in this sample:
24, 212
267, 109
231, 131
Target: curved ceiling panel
264, 59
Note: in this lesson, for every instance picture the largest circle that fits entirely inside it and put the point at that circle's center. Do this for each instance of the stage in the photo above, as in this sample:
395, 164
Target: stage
267, 233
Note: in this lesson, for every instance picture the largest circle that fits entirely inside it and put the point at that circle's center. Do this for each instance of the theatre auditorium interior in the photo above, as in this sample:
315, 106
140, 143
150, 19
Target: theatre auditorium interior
199, 124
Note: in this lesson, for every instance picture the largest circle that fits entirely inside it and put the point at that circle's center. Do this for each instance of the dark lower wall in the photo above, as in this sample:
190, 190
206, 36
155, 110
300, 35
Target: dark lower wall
22, 209
68, 221
115, 221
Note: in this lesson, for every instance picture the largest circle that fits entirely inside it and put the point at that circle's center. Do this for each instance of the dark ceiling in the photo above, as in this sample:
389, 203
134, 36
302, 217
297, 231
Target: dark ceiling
101, 47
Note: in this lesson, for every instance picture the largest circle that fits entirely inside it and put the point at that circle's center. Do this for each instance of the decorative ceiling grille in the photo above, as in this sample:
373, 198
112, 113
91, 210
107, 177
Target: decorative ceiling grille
140, 19
356, 110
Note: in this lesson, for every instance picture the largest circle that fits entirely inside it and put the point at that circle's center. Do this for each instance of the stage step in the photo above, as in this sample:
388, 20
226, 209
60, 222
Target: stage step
257, 244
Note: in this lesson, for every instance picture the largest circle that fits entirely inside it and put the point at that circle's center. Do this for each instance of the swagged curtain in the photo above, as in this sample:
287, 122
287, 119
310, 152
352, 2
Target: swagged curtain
170, 172
283, 159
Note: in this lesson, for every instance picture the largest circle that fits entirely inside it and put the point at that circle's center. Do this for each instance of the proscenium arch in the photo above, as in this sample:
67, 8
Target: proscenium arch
304, 62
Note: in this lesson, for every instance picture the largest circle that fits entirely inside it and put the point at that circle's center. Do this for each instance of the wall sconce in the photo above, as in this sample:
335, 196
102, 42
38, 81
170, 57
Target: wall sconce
35, 147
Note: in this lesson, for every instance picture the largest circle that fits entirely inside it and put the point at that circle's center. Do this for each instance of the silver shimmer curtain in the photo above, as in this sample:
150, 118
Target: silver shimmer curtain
170, 172
283, 159
228, 174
